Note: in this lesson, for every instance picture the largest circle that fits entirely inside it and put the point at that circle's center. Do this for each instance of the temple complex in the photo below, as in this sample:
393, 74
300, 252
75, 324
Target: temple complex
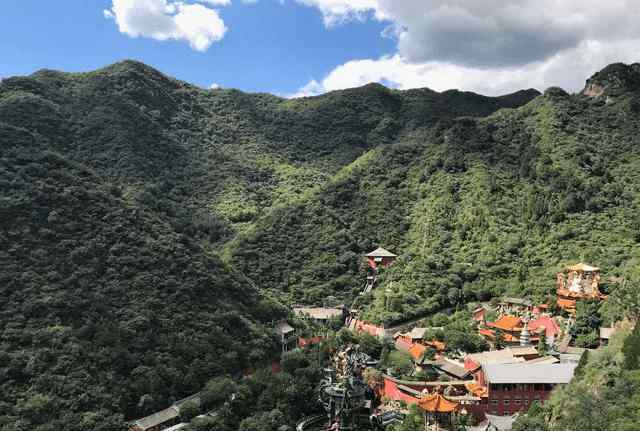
579, 281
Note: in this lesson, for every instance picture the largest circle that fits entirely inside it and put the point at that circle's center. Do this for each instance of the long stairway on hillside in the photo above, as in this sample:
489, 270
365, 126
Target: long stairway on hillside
368, 286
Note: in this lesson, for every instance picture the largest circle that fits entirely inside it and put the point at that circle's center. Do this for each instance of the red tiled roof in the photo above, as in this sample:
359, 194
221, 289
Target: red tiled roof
417, 350
551, 327
402, 344
567, 303
437, 403
486, 333
477, 389
507, 323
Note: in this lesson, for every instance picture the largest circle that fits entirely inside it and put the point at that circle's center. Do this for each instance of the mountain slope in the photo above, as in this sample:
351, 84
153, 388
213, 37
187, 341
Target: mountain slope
475, 207
217, 159
107, 312
122, 187
118, 188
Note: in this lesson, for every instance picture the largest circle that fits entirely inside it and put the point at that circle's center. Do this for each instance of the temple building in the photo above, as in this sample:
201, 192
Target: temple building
580, 282
513, 387
510, 355
517, 306
509, 326
438, 409
321, 315
380, 258
286, 335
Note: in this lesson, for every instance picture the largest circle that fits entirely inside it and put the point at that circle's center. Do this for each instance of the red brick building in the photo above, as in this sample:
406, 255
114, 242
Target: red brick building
513, 387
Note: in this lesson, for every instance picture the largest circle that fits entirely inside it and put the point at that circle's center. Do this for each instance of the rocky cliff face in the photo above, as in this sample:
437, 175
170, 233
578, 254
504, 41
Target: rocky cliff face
613, 80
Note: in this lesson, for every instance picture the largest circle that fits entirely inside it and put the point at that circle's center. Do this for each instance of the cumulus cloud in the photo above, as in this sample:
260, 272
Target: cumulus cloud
214, 86
491, 32
505, 33
169, 20
493, 46
336, 11
567, 70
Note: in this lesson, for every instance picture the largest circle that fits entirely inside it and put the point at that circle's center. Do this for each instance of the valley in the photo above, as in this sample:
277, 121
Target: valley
153, 234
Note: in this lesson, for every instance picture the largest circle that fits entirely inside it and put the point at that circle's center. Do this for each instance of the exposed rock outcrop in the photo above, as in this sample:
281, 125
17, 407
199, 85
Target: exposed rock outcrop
614, 80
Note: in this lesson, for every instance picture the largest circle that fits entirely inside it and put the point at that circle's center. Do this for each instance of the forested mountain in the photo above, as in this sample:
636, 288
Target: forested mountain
475, 207
107, 312
150, 229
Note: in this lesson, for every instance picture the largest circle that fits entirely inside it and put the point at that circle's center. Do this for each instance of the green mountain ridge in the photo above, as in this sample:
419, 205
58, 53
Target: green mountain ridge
107, 311
475, 207
153, 134
151, 228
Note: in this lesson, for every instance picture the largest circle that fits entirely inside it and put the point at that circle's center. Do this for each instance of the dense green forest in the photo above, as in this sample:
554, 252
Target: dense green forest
107, 312
475, 207
151, 230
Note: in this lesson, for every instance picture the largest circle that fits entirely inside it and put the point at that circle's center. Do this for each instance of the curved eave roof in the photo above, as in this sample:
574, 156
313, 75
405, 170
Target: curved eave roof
381, 252
583, 267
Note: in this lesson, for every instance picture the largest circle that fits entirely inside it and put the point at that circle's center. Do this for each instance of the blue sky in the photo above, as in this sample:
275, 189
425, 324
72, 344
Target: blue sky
268, 46
307, 47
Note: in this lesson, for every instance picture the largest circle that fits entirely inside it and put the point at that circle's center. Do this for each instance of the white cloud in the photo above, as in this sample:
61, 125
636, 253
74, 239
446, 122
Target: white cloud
335, 11
216, 2
490, 32
505, 33
568, 70
165, 20
313, 88
493, 46
214, 86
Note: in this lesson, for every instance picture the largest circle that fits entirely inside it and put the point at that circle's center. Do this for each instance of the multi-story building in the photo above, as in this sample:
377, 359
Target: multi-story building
513, 387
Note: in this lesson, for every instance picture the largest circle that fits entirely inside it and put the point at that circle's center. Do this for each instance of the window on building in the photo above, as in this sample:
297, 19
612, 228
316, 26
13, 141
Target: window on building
505, 402
526, 402
494, 402
516, 402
